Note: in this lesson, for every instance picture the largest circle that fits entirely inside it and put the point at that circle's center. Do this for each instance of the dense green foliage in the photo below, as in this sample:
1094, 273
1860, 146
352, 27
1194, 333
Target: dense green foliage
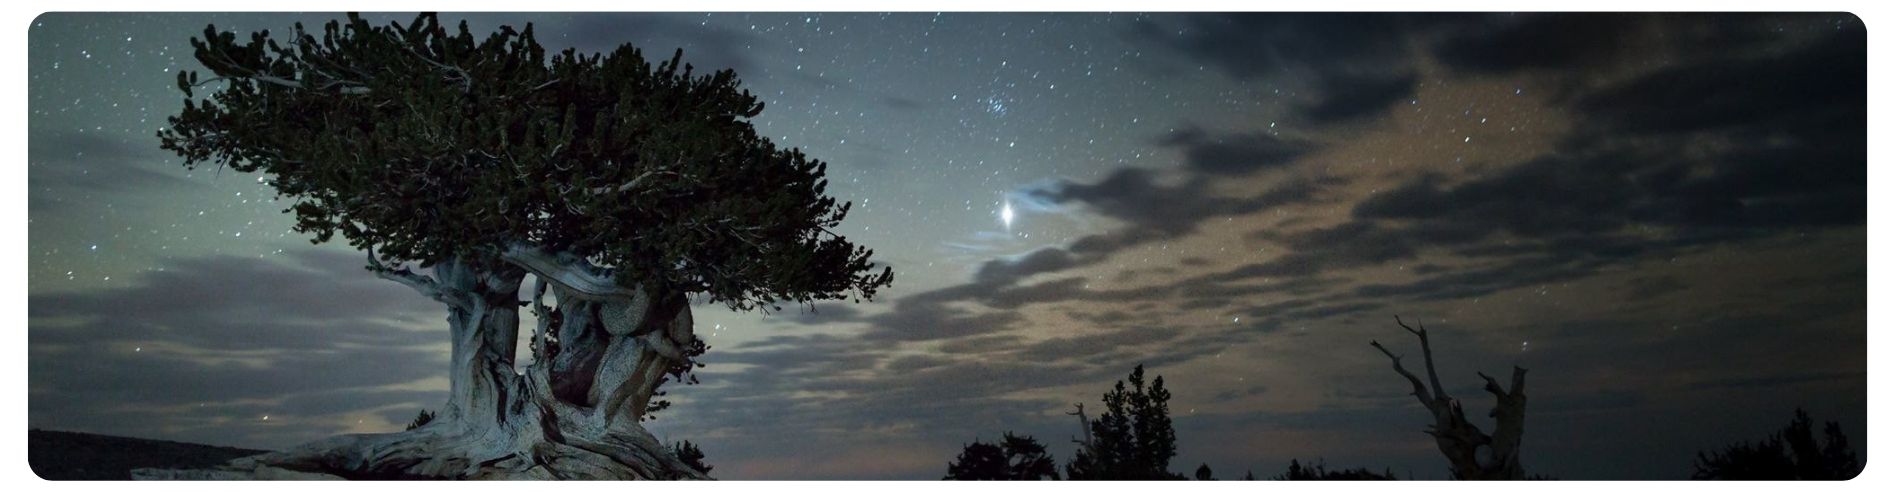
1789, 454
1133, 439
1013, 458
426, 144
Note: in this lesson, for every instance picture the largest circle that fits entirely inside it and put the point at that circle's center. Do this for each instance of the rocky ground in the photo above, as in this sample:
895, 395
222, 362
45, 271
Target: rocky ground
56, 455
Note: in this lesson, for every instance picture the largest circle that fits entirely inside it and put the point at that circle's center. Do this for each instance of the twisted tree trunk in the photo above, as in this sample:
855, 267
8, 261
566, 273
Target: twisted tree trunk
1473, 454
573, 414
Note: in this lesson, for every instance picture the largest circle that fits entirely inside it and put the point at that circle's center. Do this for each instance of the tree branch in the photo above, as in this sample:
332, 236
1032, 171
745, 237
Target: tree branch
1491, 385
1084, 424
1418, 388
573, 275
426, 286
1425, 349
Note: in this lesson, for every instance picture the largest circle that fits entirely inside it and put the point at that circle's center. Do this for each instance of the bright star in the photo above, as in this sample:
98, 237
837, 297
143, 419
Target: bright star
1005, 215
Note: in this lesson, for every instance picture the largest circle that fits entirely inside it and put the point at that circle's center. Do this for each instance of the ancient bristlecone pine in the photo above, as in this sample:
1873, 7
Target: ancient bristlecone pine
618, 188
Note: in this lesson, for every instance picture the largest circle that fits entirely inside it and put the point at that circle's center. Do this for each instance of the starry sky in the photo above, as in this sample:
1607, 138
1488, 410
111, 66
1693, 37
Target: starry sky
1662, 216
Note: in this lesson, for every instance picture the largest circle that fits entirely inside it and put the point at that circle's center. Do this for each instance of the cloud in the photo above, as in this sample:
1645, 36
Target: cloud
1804, 93
1351, 97
1249, 45
1752, 148
1035, 262
1359, 65
211, 344
1526, 41
1155, 209
1234, 155
1498, 44
78, 165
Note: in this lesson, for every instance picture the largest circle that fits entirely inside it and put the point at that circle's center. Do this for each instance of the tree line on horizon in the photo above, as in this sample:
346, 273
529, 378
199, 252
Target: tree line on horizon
1134, 439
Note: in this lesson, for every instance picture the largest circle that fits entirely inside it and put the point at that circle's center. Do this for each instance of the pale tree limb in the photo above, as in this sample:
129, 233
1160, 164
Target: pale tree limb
576, 277
1418, 388
426, 286
1083, 423
1474, 455
1425, 347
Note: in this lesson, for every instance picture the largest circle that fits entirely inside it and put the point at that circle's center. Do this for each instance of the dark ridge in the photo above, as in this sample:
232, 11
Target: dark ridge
57, 455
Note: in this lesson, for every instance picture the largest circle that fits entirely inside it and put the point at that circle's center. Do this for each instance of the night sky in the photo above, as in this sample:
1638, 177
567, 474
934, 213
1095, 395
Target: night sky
1661, 216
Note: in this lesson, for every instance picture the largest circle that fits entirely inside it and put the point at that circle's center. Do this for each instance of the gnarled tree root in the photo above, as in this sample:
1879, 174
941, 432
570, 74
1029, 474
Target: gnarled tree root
546, 440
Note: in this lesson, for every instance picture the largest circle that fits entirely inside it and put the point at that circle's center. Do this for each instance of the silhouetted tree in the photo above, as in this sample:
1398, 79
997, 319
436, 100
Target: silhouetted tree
1132, 440
625, 188
1320, 472
1789, 454
1203, 473
420, 420
693, 456
1250, 476
1473, 454
1014, 458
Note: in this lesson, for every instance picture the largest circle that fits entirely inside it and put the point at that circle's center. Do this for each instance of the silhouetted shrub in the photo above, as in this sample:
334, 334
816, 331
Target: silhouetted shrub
1014, 458
1790, 454
1319, 471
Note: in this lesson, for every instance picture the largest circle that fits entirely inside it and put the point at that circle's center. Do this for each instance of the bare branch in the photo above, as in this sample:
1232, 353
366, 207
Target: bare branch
1491, 385
1425, 349
1418, 388
1402, 324
426, 286
1083, 423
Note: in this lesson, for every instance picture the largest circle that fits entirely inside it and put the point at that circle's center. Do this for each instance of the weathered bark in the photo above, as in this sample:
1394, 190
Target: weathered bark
485, 329
570, 415
1473, 454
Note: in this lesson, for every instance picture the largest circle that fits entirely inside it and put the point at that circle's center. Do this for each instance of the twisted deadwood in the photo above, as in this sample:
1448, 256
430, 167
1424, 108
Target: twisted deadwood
573, 415
1473, 454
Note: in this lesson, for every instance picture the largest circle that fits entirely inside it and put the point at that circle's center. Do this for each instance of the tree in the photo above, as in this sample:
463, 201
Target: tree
1791, 453
419, 420
1132, 440
693, 456
1473, 454
624, 189
1205, 474
1014, 458
1319, 471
